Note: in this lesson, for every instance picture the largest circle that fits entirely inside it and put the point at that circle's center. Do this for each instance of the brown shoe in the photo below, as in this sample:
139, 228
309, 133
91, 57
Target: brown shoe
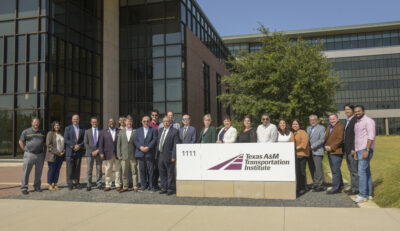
135, 190
123, 190
51, 188
56, 188
107, 189
118, 189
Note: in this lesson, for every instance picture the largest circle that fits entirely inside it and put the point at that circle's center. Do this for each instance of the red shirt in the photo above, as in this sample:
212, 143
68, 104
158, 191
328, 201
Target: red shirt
154, 125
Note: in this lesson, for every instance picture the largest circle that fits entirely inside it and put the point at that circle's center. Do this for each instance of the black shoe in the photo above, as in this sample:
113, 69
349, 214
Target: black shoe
25, 192
37, 190
169, 193
163, 192
318, 189
100, 187
89, 189
351, 192
70, 187
332, 192
78, 186
301, 192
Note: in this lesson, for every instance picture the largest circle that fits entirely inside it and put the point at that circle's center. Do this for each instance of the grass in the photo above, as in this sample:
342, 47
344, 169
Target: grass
385, 170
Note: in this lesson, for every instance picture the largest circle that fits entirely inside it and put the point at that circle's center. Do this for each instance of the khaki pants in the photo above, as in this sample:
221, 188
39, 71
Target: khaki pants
109, 170
125, 172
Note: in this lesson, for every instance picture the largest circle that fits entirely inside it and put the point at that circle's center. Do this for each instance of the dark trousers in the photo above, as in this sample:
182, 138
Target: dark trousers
54, 170
335, 162
156, 173
301, 163
73, 169
311, 166
167, 174
352, 165
146, 169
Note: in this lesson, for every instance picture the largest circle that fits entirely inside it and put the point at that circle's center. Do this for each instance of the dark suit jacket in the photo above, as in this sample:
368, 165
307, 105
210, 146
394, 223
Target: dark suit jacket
191, 135
170, 141
349, 138
150, 141
210, 136
108, 147
70, 141
335, 138
89, 141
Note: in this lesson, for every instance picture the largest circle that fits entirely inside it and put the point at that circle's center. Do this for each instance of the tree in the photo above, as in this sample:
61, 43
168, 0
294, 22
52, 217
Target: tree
287, 80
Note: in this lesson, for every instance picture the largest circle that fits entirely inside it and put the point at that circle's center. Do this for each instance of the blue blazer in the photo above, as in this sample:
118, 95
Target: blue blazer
150, 141
70, 141
191, 135
170, 141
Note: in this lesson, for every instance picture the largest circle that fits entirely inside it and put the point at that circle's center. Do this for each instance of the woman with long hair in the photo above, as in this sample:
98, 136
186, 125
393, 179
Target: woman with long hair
54, 154
248, 134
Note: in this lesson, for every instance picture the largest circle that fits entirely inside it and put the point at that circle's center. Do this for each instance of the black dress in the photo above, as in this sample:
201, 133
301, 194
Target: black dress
247, 137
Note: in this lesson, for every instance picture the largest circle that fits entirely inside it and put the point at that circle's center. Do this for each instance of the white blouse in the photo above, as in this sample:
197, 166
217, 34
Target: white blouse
284, 138
60, 142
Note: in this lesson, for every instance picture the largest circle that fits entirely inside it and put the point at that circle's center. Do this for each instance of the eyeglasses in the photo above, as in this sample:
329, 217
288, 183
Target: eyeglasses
185, 119
265, 118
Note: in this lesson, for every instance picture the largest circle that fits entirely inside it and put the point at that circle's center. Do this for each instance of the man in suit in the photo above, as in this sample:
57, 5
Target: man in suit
145, 141
126, 153
73, 139
316, 135
91, 142
171, 116
349, 148
187, 133
168, 137
108, 153
333, 145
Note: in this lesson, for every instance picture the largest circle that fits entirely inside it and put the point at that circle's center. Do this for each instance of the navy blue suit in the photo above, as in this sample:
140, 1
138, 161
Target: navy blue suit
73, 158
191, 135
165, 166
146, 159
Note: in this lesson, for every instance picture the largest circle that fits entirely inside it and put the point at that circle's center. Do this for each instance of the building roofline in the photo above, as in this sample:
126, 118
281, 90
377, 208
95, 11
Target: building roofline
323, 31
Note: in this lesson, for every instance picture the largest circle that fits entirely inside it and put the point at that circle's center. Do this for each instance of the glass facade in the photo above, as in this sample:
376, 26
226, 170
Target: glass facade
373, 81
153, 54
41, 46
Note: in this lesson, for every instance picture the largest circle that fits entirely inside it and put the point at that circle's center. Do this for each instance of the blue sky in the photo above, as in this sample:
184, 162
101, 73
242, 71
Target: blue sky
233, 17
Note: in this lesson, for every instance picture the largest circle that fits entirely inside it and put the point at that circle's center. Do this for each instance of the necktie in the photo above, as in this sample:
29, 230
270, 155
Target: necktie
184, 133
95, 138
162, 140
77, 133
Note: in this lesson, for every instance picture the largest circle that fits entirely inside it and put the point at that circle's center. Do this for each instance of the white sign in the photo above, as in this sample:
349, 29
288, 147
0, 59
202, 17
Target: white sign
236, 162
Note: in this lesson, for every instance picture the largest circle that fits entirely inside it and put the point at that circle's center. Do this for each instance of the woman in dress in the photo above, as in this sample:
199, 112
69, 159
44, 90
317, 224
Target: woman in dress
248, 134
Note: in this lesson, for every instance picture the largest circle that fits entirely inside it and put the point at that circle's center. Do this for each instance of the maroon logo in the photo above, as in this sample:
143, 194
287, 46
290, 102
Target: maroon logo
232, 164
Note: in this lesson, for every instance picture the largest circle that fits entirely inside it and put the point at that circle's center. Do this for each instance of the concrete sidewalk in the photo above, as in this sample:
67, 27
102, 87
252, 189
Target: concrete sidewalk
55, 215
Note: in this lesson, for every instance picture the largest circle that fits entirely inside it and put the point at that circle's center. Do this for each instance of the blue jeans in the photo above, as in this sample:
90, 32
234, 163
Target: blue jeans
364, 173
54, 170
335, 162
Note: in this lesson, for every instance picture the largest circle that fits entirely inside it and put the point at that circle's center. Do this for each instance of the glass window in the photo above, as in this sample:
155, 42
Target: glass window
43, 7
173, 34
6, 128
174, 50
158, 68
157, 35
176, 107
6, 103
21, 48
10, 79
158, 90
27, 26
33, 47
1, 51
42, 76
1, 80
7, 28
158, 51
174, 67
7, 9
10, 50
174, 90
43, 24
21, 78
43, 46
28, 8
33, 79
160, 107
27, 101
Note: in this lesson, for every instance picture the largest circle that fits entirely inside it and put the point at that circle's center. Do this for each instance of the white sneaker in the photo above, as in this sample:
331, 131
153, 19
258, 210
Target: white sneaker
360, 199
370, 198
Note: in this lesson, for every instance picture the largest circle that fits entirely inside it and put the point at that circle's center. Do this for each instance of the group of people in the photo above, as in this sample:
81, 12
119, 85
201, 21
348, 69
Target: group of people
148, 153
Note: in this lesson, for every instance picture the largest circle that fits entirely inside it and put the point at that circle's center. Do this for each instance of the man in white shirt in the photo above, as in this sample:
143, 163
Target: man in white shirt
92, 154
266, 132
